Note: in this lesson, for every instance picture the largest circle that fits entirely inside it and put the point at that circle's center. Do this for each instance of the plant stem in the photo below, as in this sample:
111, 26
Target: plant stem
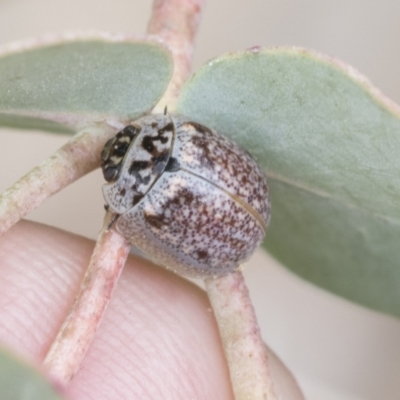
68, 349
73, 160
176, 22
241, 338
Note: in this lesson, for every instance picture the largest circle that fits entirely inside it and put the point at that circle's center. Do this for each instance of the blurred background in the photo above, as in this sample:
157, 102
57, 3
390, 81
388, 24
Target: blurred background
337, 350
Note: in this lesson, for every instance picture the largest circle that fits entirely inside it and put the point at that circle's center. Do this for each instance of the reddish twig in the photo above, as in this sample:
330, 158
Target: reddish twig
241, 338
68, 349
176, 22
73, 160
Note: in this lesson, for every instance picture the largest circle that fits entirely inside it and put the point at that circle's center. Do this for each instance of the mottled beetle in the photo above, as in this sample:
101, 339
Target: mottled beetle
189, 198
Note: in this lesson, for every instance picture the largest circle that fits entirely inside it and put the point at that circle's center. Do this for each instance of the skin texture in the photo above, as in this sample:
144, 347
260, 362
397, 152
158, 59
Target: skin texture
158, 339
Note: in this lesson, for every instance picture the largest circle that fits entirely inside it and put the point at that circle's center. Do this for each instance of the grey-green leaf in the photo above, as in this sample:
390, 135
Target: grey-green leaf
70, 82
330, 146
19, 381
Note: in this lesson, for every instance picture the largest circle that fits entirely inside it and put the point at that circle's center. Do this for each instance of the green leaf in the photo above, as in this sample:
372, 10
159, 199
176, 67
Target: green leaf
70, 82
330, 146
19, 381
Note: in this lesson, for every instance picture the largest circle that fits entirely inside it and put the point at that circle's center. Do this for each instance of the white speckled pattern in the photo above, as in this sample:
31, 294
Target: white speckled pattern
218, 159
204, 213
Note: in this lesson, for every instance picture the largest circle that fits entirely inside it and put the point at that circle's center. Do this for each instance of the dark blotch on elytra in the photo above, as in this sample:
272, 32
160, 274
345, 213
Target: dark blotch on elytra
147, 144
145, 180
139, 180
156, 221
137, 166
201, 254
187, 196
159, 162
172, 165
167, 128
137, 198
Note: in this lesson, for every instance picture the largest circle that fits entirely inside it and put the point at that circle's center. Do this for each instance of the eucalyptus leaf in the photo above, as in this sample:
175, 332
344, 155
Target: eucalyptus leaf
66, 83
330, 146
19, 381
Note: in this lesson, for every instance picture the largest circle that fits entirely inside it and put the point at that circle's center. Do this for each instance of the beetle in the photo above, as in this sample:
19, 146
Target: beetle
188, 197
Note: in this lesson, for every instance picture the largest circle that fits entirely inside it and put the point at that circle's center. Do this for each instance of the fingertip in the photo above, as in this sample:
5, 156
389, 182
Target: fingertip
158, 338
